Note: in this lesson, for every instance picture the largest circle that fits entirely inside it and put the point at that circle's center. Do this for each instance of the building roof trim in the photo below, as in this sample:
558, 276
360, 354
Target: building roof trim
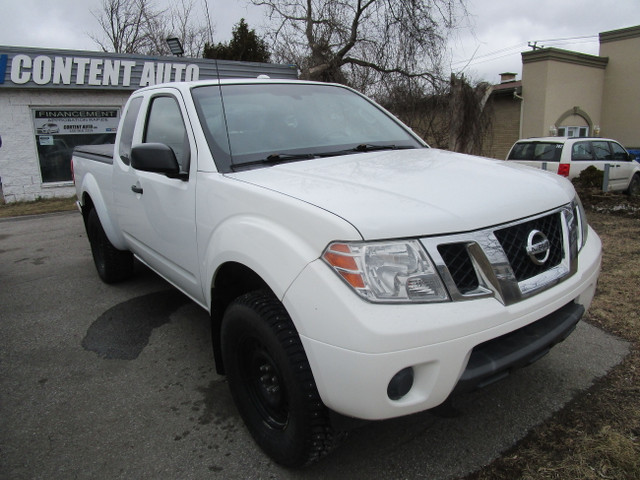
507, 88
620, 34
564, 56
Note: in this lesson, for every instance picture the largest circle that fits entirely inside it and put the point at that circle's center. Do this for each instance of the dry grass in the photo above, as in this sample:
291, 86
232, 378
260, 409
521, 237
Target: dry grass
36, 207
597, 435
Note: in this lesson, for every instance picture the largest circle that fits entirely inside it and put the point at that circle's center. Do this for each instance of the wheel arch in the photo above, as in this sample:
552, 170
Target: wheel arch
232, 279
92, 198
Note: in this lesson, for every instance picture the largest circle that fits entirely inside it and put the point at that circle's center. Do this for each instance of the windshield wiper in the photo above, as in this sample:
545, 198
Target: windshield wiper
273, 159
277, 158
366, 147
370, 147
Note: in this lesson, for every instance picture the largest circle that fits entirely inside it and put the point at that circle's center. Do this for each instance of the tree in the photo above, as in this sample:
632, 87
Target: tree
363, 42
181, 23
469, 120
245, 45
455, 116
428, 114
127, 25
136, 26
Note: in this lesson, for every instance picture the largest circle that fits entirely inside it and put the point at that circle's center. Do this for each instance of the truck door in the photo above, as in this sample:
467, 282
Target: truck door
157, 213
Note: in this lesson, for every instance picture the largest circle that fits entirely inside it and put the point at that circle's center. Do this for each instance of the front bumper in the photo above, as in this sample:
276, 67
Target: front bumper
355, 348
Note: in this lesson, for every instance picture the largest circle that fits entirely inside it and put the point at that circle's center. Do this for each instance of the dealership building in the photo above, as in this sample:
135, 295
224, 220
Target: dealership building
54, 100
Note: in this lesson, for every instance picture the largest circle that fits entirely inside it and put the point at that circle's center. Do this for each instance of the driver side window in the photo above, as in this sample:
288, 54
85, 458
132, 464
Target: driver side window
619, 153
165, 125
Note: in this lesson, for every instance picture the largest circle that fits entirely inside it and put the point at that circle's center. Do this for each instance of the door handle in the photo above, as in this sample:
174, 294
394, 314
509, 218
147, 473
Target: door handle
136, 189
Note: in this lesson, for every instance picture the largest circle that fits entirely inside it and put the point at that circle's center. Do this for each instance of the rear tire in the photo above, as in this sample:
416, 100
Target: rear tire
113, 265
271, 381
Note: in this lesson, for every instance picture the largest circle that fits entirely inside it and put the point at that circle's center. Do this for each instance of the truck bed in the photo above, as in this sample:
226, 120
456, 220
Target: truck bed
99, 153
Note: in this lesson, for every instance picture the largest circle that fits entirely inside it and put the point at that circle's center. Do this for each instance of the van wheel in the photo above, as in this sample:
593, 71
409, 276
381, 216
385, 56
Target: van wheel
113, 265
271, 381
634, 186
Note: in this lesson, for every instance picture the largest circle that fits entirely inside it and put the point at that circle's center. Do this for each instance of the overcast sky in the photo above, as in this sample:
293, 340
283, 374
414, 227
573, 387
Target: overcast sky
488, 43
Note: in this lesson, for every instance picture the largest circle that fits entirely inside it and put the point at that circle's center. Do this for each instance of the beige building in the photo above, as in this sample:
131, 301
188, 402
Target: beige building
567, 93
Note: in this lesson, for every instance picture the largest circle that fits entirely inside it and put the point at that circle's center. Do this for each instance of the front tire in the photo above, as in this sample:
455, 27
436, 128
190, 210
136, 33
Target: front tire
634, 186
271, 381
113, 265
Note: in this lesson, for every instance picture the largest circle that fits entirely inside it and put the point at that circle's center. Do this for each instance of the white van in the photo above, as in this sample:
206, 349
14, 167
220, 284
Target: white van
570, 156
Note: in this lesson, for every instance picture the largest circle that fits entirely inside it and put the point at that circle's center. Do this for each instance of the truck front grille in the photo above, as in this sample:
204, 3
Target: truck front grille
509, 262
458, 262
514, 241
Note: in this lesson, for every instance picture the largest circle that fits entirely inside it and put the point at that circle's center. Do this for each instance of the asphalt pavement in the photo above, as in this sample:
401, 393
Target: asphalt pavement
105, 382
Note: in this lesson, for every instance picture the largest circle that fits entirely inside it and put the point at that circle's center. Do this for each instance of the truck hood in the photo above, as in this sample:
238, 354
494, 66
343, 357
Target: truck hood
413, 193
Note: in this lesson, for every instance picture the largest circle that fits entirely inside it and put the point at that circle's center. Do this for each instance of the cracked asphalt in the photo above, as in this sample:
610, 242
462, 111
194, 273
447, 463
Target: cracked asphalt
104, 382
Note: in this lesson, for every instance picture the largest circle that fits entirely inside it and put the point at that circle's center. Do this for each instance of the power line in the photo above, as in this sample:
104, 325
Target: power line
566, 38
505, 52
517, 47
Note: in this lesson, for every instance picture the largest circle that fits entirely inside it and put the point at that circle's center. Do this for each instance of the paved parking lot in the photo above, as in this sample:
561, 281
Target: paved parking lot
105, 382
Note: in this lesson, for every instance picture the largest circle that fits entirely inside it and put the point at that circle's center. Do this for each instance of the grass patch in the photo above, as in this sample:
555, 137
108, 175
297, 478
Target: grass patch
37, 207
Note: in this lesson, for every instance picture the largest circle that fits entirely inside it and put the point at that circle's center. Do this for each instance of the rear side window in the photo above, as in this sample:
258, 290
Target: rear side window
542, 151
601, 150
582, 151
128, 124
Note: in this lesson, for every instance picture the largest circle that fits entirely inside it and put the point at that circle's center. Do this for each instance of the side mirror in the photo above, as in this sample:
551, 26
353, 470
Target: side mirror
155, 157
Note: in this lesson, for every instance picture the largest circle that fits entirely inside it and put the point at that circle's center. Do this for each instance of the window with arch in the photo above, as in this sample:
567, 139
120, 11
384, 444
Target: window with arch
573, 131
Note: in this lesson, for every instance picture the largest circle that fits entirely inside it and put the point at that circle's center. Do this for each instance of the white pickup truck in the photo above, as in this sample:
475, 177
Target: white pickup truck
348, 268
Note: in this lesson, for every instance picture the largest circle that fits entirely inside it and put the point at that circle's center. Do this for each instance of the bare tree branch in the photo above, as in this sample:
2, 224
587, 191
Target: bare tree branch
347, 40
137, 26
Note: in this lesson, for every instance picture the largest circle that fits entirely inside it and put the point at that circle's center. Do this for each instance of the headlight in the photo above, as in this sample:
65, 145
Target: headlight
393, 271
583, 226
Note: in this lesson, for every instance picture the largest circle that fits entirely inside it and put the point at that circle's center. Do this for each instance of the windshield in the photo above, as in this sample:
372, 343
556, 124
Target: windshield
246, 124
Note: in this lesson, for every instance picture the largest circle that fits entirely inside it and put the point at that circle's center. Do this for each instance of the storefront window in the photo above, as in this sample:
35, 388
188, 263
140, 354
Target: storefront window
58, 131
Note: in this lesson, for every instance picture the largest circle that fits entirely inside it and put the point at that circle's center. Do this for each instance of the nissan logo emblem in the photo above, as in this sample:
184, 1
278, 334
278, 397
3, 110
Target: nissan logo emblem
538, 247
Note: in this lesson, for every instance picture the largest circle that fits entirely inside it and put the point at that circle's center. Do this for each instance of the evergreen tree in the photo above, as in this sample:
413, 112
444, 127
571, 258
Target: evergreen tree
245, 46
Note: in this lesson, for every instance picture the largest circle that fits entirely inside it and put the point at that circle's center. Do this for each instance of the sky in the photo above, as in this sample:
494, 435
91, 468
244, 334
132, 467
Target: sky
486, 43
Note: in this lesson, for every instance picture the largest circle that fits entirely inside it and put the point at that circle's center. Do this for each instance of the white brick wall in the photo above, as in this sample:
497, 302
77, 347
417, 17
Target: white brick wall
19, 166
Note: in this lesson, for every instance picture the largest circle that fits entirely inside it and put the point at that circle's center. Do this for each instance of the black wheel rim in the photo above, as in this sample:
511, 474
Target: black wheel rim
264, 384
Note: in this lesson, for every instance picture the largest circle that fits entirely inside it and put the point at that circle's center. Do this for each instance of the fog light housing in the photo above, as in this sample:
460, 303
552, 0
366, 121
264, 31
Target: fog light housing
400, 384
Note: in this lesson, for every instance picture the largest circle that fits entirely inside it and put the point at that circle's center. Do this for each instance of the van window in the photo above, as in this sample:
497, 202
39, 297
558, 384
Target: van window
543, 151
582, 151
601, 150
619, 153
